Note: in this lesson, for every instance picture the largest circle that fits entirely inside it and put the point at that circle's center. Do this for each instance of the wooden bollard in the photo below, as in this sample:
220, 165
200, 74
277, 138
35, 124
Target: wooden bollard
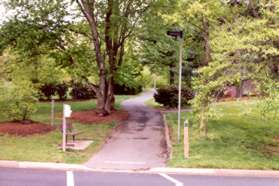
186, 139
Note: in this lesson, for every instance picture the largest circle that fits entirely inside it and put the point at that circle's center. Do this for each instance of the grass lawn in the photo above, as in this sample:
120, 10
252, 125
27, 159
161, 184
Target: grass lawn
237, 139
152, 103
44, 147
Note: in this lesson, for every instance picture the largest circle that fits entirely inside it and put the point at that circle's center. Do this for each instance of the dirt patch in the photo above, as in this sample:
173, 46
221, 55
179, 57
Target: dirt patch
19, 129
92, 116
271, 150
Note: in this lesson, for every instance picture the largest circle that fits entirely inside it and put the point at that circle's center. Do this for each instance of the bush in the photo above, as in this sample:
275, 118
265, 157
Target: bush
18, 100
61, 90
82, 91
47, 91
124, 90
168, 96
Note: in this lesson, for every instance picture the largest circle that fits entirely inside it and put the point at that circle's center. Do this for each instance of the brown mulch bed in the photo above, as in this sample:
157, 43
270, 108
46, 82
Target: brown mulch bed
19, 129
92, 116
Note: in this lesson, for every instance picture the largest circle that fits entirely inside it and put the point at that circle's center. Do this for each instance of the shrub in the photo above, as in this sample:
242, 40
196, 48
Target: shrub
61, 90
168, 96
82, 91
18, 100
48, 90
125, 90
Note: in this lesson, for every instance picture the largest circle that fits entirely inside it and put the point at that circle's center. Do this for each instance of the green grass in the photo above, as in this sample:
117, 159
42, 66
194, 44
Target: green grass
152, 103
237, 139
45, 147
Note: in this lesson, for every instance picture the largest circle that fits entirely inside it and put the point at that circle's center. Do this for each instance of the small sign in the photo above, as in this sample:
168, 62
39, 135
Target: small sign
175, 34
67, 111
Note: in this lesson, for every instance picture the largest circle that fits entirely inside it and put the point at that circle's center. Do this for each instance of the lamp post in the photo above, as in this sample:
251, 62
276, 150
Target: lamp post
178, 34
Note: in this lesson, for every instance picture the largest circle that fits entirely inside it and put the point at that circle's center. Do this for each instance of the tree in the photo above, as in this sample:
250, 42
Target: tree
111, 22
243, 47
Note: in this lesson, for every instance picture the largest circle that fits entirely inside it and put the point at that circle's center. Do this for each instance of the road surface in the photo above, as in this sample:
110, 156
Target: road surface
27, 177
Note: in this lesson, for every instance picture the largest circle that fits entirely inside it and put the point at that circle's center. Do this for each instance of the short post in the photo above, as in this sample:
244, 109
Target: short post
186, 139
52, 112
64, 129
66, 113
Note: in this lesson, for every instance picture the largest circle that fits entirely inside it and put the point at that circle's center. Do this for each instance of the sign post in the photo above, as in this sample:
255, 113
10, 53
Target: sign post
178, 34
66, 113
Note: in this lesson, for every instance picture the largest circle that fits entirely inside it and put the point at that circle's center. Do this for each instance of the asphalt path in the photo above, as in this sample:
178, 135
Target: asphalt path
28, 177
138, 143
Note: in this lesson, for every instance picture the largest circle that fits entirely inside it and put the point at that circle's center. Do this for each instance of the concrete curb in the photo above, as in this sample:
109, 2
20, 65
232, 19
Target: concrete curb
180, 171
217, 172
42, 165
167, 136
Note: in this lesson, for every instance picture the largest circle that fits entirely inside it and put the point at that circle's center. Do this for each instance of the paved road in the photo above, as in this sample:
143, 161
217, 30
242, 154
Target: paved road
26, 177
138, 143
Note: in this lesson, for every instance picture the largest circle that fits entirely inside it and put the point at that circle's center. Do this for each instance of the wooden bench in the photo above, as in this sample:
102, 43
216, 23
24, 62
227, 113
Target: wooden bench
70, 131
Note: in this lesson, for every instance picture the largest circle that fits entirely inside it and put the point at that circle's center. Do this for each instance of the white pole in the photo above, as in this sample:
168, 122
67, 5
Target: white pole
52, 112
179, 88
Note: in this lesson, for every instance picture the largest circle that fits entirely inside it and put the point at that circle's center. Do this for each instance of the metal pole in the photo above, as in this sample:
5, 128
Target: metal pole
52, 112
179, 88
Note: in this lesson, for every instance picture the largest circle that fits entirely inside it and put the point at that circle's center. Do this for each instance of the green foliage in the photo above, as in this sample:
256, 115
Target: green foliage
18, 100
242, 47
269, 107
124, 90
82, 91
168, 96
49, 90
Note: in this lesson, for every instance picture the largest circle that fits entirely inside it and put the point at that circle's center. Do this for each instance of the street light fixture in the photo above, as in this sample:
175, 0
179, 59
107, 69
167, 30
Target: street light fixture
178, 34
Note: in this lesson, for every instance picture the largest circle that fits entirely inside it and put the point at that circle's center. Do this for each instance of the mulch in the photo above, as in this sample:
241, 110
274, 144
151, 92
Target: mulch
20, 129
91, 116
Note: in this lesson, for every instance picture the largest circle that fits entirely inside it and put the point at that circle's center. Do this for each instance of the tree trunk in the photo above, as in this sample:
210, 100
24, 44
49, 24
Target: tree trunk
110, 96
102, 95
203, 124
239, 89
206, 44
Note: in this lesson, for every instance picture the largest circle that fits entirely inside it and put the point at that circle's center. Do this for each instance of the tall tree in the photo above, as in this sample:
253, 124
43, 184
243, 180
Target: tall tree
111, 22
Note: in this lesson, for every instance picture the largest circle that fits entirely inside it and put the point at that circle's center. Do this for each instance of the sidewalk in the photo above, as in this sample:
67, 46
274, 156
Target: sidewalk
138, 143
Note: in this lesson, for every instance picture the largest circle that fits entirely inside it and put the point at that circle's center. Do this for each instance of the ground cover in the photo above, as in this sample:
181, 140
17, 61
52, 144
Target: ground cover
238, 138
152, 103
45, 147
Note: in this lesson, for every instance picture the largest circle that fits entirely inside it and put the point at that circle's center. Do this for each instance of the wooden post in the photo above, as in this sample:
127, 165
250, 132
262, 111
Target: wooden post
186, 139
64, 128
52, 112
